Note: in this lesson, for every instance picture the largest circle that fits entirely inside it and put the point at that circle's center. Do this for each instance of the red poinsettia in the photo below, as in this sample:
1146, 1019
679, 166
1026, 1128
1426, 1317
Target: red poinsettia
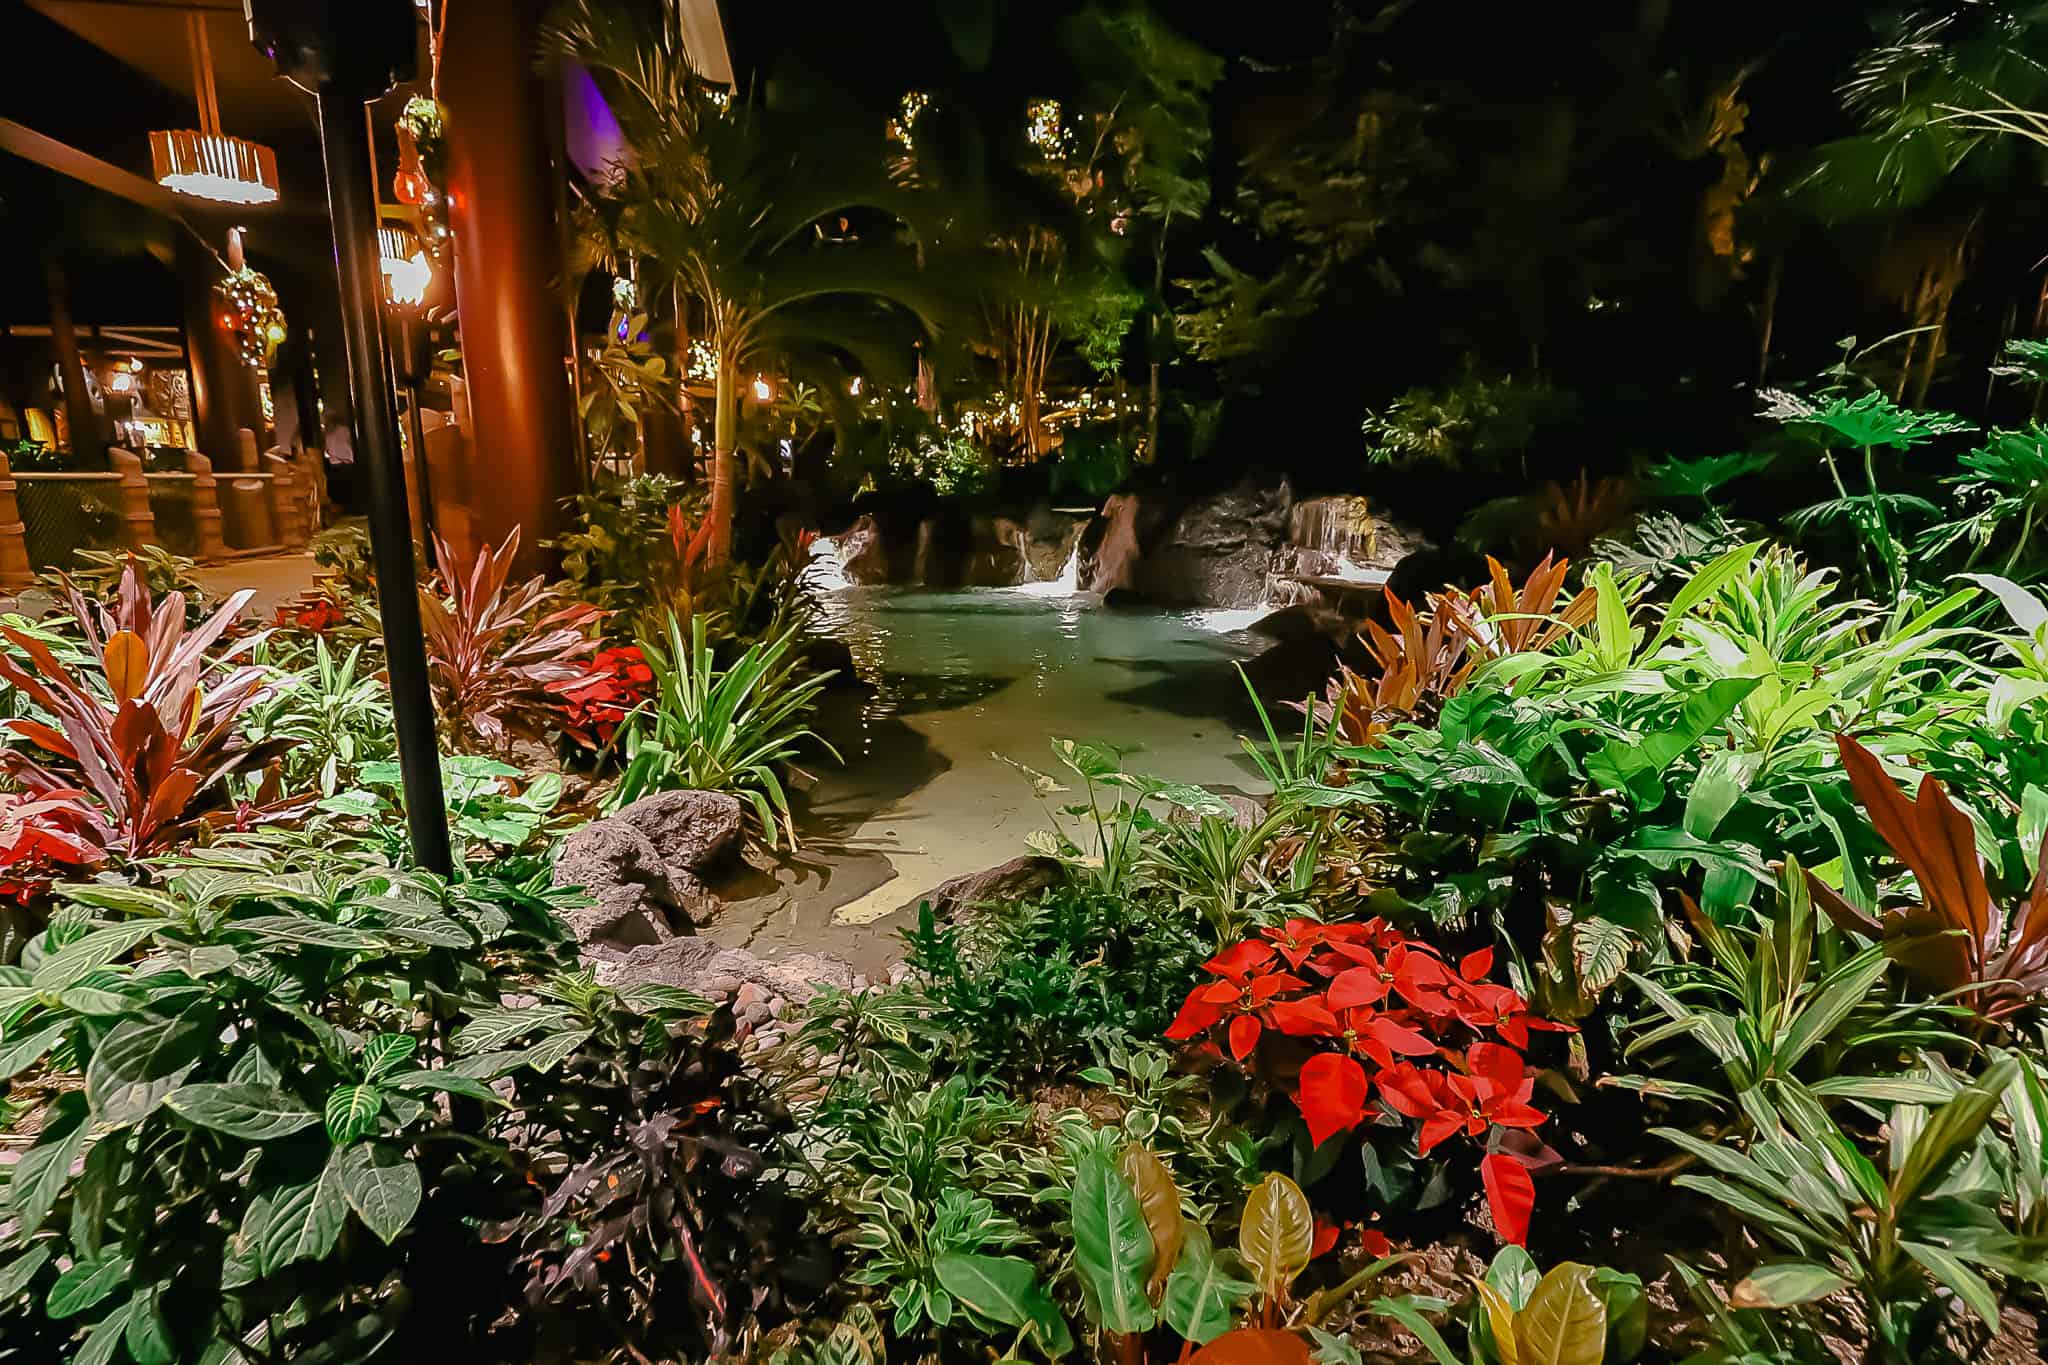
313, 612
597, 701
1389, 1018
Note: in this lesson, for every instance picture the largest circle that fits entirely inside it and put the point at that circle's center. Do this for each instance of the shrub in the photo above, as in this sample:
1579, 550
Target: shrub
1441, 1047
495, 652
727, 729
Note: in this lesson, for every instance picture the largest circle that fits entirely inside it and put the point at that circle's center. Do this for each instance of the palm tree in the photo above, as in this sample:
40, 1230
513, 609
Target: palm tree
797, 246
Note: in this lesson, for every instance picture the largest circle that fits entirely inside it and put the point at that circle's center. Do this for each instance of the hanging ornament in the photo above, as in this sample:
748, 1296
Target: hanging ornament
246, 307
422, 172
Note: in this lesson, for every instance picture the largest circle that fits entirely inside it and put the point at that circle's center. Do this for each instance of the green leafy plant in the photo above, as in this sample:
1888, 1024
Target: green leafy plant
729, 729
255, 1066
327, 719
492, 806
1571, 1315
1930, 1219
620, 553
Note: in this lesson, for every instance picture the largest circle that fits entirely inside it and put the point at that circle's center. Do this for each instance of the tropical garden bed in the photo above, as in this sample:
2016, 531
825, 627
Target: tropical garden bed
1631, 959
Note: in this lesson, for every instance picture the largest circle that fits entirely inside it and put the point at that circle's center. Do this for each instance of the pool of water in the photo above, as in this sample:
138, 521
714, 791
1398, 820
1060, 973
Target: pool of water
961, 685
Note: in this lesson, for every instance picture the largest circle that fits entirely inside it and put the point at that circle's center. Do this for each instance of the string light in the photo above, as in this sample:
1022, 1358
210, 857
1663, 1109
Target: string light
249, 314
1045, 127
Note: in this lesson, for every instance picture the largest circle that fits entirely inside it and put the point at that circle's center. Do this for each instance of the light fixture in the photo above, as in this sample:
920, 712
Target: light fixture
205, 162
763, 391
854, 388
121, 381
406, 272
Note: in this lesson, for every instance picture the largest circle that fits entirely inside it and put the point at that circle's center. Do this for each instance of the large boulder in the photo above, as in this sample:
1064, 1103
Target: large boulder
691, 830
1050, 539
1014, 880
1219, 550
634, 896
1109, 546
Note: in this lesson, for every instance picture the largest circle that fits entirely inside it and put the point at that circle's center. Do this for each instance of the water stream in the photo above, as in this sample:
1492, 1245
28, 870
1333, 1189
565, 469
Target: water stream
962, 685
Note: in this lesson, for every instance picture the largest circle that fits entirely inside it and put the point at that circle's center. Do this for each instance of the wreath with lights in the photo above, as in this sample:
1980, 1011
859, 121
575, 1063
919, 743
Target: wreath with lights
248, 312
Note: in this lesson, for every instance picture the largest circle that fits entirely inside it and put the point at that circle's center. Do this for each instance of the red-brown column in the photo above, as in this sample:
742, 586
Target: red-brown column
504, 195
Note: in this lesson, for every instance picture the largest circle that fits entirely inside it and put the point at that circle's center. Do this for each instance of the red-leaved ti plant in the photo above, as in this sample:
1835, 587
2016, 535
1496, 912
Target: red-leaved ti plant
1957, 941
495, 653
136, 760
1390, 1018
597, 703
41, 841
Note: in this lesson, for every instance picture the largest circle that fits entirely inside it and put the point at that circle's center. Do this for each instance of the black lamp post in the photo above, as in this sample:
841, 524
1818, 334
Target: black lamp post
347, 53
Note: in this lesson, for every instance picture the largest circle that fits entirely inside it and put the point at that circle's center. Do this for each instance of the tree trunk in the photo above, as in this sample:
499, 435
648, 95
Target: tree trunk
87, 449
722, 474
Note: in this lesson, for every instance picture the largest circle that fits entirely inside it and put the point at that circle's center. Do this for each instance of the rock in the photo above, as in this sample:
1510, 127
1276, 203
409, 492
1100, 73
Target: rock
1011, 881
863, 554
1109, 546
1219, 551
1050, 539
1301, 622
1245, 811
697, 964
632, 889
995, 556
691, 830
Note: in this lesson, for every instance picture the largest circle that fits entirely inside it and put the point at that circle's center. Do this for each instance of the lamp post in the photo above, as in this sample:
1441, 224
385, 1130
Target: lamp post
346, 53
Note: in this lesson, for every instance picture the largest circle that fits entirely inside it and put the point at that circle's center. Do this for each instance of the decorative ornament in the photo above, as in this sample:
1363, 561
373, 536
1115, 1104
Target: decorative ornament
422, 171
246, 307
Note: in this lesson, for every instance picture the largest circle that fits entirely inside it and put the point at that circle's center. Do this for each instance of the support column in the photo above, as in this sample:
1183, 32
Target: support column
86, 441
504, 206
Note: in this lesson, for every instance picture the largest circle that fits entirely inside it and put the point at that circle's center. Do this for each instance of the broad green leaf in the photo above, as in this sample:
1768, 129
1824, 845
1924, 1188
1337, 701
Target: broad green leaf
1514, 1274
104, 1337
549, 1053
1964, 1282
140, 1062
440, 1082
16, 1274
386, 1052
80, 959
23, 1047
1786, 1284
1564, 1322
1005, 1289
1112, 1249
1202, 1296
147, 1338
297, 1222
1600, 951
489, 1029
304, 931
38, 1178
382, 1186
352, 1111
1276, 1234
87, 1283
1949, 1130
256, 1112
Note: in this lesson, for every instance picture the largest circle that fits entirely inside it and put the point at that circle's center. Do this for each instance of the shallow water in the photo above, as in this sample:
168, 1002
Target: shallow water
963, 681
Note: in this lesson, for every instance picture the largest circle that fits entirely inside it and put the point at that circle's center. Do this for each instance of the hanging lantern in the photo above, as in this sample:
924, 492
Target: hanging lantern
406, 271
204, 162
410, 185
246, 307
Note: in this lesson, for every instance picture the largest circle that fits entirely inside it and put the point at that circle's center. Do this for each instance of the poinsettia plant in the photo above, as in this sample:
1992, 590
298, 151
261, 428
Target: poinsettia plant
594, 705
1392, 1032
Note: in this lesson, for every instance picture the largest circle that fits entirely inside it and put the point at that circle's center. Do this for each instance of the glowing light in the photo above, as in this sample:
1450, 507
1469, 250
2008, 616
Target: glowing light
854, 387
1045, 127
121, 382
406, 271
762, 390
214, 166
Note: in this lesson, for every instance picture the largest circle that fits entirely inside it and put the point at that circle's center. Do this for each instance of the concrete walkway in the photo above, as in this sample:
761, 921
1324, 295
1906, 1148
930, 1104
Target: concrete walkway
273, 578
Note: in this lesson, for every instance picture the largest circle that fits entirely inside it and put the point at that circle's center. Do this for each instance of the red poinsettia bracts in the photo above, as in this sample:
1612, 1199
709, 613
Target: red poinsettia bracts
1388, 1018
595, 703
314, 613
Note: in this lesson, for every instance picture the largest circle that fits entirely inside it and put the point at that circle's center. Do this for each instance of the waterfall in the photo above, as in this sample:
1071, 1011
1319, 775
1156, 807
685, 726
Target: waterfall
1068, 584
825, 572
1341, 536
